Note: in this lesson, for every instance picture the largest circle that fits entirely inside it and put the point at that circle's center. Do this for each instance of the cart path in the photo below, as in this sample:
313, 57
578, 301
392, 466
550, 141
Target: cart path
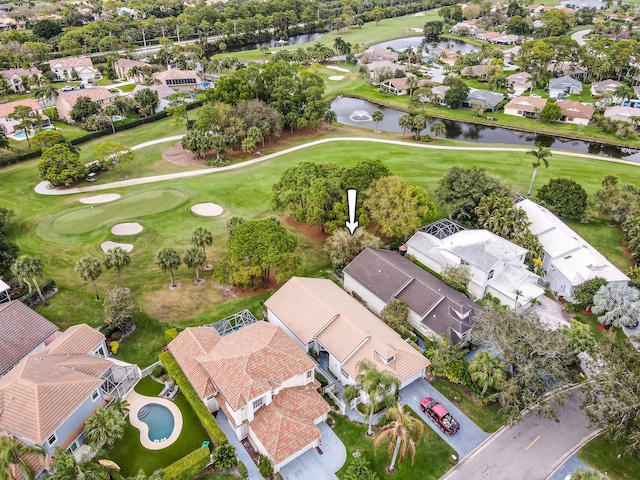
45, 188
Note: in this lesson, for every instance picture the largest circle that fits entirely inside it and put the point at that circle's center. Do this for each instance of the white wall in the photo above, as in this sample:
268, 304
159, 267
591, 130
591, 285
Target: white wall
272, 318
373, 302
436, 267
412, 379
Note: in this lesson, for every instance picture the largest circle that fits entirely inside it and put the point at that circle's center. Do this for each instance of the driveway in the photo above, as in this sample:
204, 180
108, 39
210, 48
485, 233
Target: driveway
570, 466
243, 455
579, 36
530, 450
550, 312
468, 437
313, 466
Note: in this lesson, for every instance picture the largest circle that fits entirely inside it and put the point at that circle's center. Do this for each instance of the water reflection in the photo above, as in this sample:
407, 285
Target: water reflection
293, 40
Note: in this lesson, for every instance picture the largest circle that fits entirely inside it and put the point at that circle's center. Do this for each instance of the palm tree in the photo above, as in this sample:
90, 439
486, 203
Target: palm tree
168, 260
45, 93
65, 467
618, 304
380, 388
541, 155
194, 258
487, 370
338, 45
4, 141
201, 237
141, 475
418, 123
120, 405
90, 268
377, 116
404, 122
404, 430
26, 267
438, 128
104, 427
518, 293
412, 84
135, 73
117, 258
13, 455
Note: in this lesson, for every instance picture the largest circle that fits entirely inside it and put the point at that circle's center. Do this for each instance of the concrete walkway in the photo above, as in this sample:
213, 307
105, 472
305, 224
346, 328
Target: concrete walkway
579, 36
243, 455
550, 313
44, 188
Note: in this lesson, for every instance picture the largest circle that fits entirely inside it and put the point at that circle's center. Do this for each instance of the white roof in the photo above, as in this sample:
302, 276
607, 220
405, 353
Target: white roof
517, 277
576, 259
3, 286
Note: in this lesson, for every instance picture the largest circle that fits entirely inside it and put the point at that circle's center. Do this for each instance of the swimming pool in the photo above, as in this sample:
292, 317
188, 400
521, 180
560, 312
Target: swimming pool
22, 136
159, 419
116, 118
206, 84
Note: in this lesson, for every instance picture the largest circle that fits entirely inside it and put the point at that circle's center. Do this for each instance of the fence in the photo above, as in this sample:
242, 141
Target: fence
147, 371
332, 391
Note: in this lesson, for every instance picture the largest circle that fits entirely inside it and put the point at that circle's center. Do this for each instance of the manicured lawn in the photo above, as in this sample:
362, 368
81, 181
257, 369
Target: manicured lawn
488, 418
602, 454
132, 456
432, 459
127, 88
592, 320
607, 240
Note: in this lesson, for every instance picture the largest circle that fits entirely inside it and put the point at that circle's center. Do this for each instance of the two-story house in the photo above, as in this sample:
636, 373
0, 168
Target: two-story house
46, 398
317, 314
64, 68
496, 265
262, 382
65, 101
7, 109
14, 77
124, 65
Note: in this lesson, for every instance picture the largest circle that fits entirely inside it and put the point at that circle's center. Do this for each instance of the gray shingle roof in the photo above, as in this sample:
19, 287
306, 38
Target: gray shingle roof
560, 81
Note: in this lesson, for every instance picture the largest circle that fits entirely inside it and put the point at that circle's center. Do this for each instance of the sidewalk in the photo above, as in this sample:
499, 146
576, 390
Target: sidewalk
242, 454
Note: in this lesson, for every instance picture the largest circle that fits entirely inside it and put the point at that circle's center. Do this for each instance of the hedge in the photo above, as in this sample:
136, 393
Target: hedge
170, 335
188, 466
208, 422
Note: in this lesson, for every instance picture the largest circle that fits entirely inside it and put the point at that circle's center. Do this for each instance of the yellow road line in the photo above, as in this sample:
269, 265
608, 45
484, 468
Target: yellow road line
534, 441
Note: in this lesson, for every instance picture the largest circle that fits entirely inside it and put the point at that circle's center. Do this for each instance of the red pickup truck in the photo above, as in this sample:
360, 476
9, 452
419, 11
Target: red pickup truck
440, 415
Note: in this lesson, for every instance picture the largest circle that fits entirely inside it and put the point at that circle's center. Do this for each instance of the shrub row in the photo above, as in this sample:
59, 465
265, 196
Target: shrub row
208, 422
170, 334
31, 154
188, 466
32, 299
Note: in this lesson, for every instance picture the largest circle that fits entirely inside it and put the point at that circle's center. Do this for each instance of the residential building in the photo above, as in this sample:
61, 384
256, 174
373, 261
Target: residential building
66, 100
489, 98
318, 314
568, 259
22, 332
261, 380
379, 277
7, 109
163, 92
519, 82
478, 71
624, 114
123, 65
605, 86
46, 398
8, 23
510, 54
558, 87
447, 56
379, 55
14, 76
5, 296
571, 69
487, 36
496, 265
467, 27
506, 39
378, 67
400, 86
178, 79
64, 68
525, 106
576, 112
438, 93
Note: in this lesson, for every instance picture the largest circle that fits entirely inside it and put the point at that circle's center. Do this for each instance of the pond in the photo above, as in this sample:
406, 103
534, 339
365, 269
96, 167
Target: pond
276, 42
452, 44
357, 112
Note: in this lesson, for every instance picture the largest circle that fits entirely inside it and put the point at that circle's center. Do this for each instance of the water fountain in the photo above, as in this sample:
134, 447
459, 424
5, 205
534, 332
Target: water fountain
360, 116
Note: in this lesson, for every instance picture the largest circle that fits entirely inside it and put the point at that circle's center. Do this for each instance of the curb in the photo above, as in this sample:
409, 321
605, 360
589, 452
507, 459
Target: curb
549, 473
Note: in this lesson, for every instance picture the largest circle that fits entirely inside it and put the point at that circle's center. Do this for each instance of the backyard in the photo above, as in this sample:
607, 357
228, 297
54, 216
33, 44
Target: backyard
131, 456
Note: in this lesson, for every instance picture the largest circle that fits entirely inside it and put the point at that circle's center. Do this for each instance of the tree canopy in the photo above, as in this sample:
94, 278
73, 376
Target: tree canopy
83, 109
565, 196
61, 166
342, 247
120, 309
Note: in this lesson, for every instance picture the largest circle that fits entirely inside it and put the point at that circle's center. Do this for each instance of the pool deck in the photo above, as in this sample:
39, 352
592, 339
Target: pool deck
136, 402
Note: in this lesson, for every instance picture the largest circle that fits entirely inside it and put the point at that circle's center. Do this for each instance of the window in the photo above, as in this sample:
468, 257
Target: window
257, 403
95, 395
344, 374
464, 262
73, 447
52, 439
309, 374
490, 276
569, 119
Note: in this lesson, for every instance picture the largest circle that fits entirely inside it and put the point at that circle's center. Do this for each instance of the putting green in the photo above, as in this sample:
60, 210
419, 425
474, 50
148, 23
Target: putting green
87, 219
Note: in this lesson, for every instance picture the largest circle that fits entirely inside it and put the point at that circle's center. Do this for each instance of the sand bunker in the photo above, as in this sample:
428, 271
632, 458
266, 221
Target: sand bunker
419, 30
106, 197
106, 246
207, 209
126, 229
419, 14
339, 69
336, 77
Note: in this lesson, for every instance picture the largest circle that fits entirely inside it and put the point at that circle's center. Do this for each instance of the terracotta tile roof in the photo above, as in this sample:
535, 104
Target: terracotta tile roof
527, 104
76, 340
253, 360
40, 393
71, 62
175, 74
20, 72
163, 90
128, 63
7, 108
94, 94
192, 343
286, 425
306, 305
21, 330
576, 109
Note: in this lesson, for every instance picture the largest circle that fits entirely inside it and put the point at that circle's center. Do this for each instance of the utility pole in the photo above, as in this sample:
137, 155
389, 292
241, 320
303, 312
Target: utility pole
144, 40
162, 31
178, 32
234, 27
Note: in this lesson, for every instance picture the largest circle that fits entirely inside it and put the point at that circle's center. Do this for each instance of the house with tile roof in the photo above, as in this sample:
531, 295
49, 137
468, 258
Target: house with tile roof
178, 79
22, 331
64, 68
379, 277
262, 382
123, 65
163, 92
14, 77
7, 109
623, 114
604, 86
525, 106
489, 98
569, 260
400, 86
519, 82
318, 314
496, 265
46, 398
66, 100
566, 85
576, 112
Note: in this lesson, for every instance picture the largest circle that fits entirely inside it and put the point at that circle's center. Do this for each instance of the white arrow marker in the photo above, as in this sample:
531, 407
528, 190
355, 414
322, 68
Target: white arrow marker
352, 223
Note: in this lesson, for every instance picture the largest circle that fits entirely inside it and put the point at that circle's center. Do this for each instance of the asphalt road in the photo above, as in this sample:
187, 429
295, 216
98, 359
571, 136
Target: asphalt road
530, 450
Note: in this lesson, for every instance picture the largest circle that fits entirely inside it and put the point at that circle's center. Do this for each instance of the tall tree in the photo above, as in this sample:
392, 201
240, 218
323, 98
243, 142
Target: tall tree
565, 196
83, 109
487, 370
146, 102
27, 267
396, 315
405, 123
541, 155
27, 119
377, 117
177, 108
90, 268
438, 128
117, 258
201, 237
404, 431
194, 258
65, 466
168, 259
120, 309
104, 427
381, 389
115, 153
60, 166
14, 455
45, 93
342, 247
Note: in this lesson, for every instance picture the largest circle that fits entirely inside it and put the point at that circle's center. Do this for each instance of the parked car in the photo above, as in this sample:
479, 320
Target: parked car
440, 415
67, 88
